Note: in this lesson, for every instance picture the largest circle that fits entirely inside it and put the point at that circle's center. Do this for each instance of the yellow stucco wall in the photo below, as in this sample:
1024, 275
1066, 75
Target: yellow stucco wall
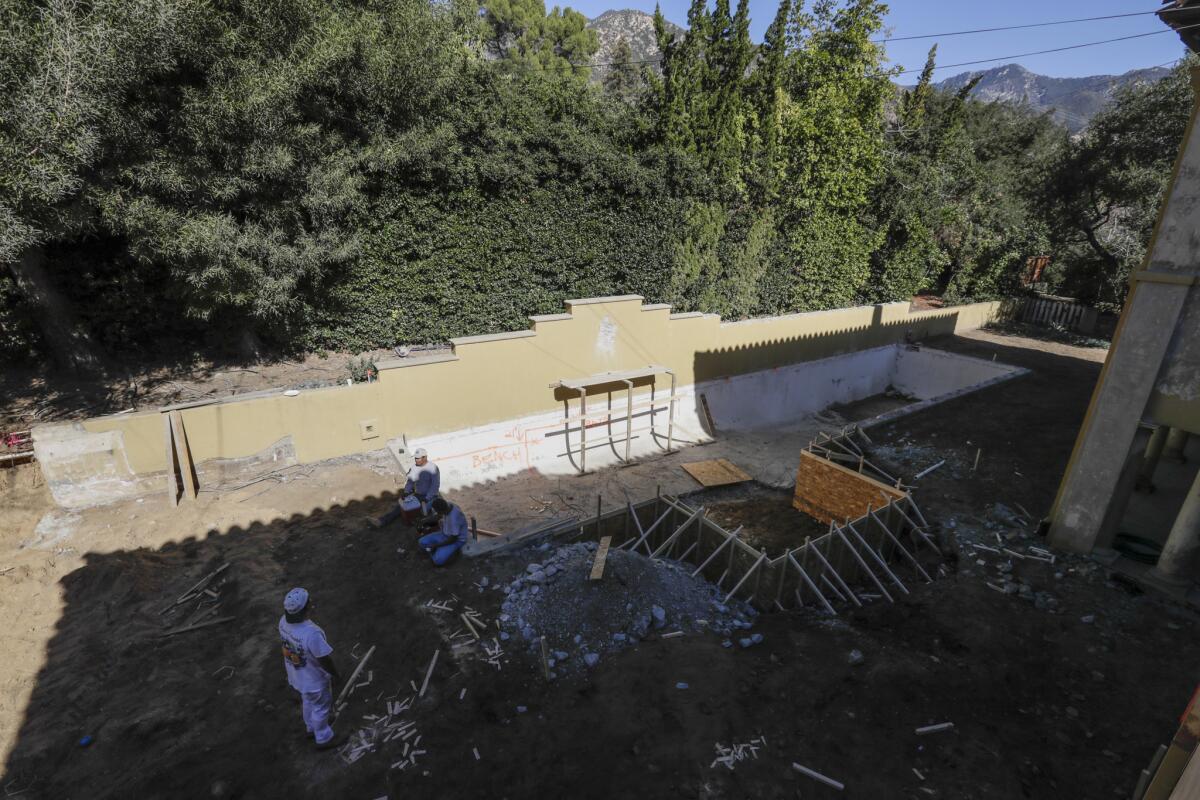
494, 378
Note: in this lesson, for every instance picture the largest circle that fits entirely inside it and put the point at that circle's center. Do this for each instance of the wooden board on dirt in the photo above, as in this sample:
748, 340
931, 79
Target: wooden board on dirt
717, 472
601, 558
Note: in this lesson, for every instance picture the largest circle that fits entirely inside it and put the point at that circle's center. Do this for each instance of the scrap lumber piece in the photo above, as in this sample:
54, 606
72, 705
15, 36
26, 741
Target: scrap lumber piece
428, 673
545, 657
172, 464
715, 472
712, 426
928, 470
600, 560
349, 686
816, 776
183, 453
941, 726
197, 626
198, 587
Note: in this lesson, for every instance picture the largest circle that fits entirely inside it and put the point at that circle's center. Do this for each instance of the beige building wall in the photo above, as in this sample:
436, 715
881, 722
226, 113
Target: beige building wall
485, 380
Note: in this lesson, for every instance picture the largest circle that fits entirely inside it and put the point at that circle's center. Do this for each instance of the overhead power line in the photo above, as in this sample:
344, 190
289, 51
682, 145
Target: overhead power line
967, 63
1054, 49
1021, 27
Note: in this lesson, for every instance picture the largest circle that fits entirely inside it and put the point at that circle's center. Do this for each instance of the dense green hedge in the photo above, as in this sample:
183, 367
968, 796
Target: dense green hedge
437, 267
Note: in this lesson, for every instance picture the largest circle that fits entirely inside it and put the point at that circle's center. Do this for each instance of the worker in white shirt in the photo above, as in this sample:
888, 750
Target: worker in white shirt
423, 483
309, 665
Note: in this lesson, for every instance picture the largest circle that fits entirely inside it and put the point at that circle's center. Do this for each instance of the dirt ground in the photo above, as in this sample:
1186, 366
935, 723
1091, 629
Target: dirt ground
765, 516
1068, 700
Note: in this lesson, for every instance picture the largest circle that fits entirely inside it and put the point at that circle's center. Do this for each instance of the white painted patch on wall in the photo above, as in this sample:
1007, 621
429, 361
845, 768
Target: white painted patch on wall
606, 339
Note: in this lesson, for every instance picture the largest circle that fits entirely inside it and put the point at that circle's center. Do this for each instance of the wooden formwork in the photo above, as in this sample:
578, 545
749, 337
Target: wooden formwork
873, 556
869, 557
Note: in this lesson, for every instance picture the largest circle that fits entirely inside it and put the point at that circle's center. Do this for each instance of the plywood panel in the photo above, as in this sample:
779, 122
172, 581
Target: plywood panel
829, 492
717, 472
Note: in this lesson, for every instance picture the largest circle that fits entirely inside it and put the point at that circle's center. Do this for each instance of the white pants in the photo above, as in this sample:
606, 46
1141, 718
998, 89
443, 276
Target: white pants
316, 707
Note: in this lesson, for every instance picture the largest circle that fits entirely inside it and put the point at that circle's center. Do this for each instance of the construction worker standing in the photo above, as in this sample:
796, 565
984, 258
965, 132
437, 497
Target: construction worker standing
442, 544
422, 486
424, 479
309, 665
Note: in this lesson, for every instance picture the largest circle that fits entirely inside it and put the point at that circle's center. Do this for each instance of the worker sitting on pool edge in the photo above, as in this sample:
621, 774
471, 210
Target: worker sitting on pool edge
444, 543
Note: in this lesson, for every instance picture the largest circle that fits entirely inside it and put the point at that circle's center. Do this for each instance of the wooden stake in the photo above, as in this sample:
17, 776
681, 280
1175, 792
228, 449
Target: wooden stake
428, 672
816, 776
545, 658
198, 625
199, 585
350, 682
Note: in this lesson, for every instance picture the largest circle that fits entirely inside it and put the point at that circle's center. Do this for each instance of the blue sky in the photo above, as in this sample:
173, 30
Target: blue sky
915, 17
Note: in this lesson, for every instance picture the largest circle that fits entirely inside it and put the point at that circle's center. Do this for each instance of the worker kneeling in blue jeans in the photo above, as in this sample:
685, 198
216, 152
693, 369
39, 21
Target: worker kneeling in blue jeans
442, 544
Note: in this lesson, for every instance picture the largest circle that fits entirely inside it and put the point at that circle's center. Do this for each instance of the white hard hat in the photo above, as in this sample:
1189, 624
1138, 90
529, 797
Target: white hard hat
295, 601
420, 453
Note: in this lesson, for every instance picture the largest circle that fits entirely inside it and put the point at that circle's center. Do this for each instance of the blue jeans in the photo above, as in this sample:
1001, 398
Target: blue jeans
440, 546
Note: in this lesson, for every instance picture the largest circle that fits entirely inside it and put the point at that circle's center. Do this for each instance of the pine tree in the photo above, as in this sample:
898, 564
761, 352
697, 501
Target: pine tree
623, 79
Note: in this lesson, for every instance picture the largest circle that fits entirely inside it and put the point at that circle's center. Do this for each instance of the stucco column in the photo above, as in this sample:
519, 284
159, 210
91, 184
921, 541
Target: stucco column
1176, 565
1142, 339
1124, 489
1176, 445
1158, 440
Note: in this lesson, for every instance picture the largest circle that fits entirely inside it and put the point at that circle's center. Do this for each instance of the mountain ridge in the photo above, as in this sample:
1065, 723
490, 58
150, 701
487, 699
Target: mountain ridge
1073, 101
